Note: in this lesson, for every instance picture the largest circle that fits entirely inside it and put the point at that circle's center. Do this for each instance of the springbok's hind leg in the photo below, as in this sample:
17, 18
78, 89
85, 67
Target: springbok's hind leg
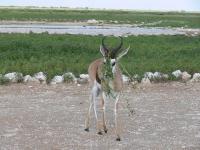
103, 98
87, 121
95, 93
116, 119
96, 116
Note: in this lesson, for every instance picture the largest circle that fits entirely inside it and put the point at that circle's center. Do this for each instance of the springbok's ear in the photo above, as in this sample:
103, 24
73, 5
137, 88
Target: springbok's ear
124, 52
102, 51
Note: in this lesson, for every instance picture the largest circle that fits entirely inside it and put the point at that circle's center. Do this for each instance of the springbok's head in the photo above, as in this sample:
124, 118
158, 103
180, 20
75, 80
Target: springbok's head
111, 56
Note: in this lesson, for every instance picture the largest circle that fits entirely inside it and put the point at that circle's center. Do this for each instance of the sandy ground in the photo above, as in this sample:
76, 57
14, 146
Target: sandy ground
161, 116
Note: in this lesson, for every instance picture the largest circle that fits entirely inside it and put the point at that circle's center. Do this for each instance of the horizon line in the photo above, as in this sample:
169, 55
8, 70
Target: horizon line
88, 8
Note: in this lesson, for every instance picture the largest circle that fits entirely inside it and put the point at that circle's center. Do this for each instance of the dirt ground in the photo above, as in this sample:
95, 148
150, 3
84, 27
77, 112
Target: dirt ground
161, 116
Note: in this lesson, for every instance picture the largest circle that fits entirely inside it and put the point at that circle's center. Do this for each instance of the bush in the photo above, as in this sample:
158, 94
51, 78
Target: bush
69, 77
3, 80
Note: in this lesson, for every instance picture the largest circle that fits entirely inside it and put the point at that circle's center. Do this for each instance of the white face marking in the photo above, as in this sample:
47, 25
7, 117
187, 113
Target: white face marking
113, 63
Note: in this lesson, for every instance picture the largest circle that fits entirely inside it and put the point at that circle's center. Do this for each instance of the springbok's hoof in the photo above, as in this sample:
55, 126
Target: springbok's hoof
100, 133
87, 129
118, 139
105, 130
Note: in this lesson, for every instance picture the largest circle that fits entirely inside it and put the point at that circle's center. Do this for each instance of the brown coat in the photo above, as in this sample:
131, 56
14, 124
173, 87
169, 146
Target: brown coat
95, 72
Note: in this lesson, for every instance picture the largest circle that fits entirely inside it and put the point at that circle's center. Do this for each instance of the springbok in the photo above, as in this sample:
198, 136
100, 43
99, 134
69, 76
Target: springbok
106, 80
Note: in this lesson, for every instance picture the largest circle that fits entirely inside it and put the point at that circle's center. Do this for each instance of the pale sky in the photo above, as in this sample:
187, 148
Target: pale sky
188, 5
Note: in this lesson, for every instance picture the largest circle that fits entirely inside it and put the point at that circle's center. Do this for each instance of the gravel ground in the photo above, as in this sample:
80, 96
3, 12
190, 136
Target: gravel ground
158, 117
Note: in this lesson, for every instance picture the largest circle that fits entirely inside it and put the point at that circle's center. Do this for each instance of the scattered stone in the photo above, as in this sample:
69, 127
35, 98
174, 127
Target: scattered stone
82, 81
157, 75
149, 75
125, 79
14, 77
165, 76
57, 80
185, 76
195, 78
41, 77
177, 73
92, 21
136, 77
69, 77
84, 76
145, 81
28, 78
160, 76
134, 84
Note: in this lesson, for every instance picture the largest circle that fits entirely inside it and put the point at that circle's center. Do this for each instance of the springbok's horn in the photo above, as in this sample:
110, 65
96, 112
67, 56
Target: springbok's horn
115, 50
104, 47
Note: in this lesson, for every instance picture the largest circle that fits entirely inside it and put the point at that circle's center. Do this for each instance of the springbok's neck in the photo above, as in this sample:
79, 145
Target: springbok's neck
114, 70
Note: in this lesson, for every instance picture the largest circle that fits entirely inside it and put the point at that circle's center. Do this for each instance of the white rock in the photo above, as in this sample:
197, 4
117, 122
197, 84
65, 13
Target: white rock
84, 76
165, 76
157, 75
57, 79
185, 76
125, 79
149, 75
145, 81
11, 76
82, 81
41, 77
28, 78
69, 76
92, 21
14, 76
177, 73
195, 78
136, 77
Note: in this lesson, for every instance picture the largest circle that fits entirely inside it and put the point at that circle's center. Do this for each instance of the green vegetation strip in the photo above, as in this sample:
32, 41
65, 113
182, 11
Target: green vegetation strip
56, 54
158, 19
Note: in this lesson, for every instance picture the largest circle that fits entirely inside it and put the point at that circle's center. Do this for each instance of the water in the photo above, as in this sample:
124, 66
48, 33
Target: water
91, 30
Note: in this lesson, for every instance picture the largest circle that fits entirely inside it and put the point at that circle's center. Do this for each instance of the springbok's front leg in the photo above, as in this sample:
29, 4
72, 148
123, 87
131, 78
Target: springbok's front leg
116, 119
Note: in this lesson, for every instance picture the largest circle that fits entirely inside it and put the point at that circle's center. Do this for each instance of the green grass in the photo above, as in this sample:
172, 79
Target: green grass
173, 19
56, 54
